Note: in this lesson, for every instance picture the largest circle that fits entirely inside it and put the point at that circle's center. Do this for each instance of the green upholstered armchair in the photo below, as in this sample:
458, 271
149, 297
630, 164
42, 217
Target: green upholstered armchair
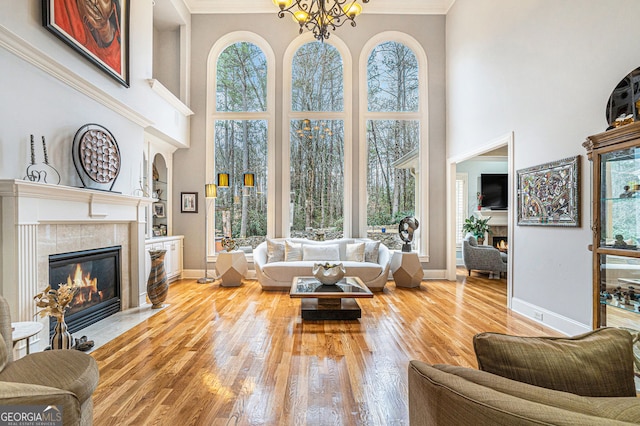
64, 378
582, 380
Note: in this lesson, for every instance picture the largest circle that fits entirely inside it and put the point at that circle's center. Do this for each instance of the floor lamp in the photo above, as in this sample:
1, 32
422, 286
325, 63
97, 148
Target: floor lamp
210, 192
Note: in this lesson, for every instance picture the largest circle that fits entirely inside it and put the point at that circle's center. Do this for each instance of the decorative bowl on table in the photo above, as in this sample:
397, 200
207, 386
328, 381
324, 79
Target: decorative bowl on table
328, 273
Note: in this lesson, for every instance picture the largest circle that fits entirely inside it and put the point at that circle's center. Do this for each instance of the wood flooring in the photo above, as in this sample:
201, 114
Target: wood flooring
243, 356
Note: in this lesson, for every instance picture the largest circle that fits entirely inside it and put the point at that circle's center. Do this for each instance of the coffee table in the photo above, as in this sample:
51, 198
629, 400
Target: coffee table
329, 302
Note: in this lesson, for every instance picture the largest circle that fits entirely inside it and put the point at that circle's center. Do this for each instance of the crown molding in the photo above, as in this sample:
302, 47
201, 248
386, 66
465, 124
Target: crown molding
166, 94
387, 7
36, 57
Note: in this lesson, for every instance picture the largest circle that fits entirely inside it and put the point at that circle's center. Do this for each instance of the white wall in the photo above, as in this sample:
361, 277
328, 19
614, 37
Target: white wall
474, 168
544, 70
35, 102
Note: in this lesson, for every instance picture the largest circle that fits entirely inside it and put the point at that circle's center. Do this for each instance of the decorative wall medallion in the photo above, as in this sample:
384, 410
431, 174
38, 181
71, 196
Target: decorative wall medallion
96, 157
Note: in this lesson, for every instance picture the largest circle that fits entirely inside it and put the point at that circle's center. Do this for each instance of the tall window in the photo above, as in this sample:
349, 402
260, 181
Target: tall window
393, 139
317, 143
240, 143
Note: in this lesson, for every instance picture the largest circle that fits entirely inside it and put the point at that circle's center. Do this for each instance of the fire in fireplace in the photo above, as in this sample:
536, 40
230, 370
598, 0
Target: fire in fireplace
96, 273
500, 243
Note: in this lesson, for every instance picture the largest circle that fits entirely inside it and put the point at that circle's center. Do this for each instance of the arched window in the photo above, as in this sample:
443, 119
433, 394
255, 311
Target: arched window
318, 126
395, 150
241, 135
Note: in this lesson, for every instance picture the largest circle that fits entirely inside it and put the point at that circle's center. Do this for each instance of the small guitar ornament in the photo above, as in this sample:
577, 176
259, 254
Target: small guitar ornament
40, 172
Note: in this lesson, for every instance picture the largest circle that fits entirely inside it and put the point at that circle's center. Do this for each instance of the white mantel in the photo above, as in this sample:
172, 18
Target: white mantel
27, 206
498, 217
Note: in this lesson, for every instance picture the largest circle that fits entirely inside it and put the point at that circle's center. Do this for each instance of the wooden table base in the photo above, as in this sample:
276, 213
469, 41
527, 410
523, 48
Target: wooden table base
330, 309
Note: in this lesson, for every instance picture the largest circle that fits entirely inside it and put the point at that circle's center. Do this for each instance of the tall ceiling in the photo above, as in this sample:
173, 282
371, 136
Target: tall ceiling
414, 7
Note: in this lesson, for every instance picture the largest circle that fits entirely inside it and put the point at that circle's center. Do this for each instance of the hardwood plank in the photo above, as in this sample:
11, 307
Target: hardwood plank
242, 356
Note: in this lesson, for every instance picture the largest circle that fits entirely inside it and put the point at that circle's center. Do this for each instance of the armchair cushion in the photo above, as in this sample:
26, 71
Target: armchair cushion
598, 363
69, 370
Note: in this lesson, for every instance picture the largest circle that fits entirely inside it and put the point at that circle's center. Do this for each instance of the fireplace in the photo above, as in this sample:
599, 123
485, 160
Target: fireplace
500, 243
97, 274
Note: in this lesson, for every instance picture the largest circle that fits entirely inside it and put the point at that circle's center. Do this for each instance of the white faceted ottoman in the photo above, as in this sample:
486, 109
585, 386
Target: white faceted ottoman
231, 268
406, 269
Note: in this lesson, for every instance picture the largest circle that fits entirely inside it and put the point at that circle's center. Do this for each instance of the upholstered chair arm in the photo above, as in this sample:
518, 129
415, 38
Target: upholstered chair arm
30, 394
260, 255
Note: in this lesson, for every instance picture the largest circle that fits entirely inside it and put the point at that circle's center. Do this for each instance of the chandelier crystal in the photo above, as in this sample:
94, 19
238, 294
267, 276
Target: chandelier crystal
320, 16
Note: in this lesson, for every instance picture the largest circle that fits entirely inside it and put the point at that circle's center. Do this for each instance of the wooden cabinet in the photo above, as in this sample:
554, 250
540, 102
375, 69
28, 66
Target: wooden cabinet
615, 157
172, 258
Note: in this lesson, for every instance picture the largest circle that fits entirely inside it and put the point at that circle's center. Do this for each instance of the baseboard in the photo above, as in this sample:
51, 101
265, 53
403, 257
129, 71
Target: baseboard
548, 318
193, 274
429, 274
434, 274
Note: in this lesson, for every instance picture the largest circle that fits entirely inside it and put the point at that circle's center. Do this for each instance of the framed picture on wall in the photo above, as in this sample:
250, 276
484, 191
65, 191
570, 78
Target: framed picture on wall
189, 202
98, 30
548, 194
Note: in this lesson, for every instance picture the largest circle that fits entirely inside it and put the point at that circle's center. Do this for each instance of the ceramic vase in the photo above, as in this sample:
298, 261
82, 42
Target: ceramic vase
328, 276
157, 286
61, 338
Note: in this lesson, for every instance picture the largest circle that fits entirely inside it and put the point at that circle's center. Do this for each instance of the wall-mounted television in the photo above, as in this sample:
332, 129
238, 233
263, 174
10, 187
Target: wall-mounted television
494, 188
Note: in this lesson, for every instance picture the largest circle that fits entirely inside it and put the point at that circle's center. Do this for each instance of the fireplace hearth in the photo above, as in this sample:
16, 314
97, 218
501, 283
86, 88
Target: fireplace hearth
97, 274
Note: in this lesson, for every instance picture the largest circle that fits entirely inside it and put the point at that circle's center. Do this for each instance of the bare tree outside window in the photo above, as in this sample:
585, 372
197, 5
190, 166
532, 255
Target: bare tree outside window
393, 141
241, 143
317, 143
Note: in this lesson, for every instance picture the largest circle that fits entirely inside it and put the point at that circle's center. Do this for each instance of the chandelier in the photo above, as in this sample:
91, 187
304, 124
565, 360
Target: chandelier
320, 16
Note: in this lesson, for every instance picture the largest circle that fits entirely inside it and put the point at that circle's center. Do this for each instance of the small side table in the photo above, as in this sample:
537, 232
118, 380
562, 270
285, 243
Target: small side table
24, 330
406, 269
231, 267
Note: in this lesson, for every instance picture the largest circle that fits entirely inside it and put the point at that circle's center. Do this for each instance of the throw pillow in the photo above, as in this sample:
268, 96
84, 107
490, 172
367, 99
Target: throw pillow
292, 251
371, 250
355, 252
598, 363
323, 252
275, 251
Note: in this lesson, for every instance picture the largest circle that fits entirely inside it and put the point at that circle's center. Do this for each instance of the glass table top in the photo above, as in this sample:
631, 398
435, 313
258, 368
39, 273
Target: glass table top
348, 287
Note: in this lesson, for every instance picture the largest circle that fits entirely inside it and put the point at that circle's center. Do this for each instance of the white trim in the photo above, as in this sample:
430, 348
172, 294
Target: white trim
344, 115
422, 116
434, 274
549, 319
508, 140
388, 7
464, 177
211, 114
36, 57
172, 99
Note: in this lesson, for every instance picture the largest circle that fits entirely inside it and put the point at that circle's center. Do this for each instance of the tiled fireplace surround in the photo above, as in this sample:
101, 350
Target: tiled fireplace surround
42, 219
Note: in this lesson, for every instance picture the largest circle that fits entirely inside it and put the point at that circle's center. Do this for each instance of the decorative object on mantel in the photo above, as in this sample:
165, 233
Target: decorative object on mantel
548, 194
479, 198
328, 273
54, 303
39, 173
229, 244
319, 16
96, 157
157, 286
407, 227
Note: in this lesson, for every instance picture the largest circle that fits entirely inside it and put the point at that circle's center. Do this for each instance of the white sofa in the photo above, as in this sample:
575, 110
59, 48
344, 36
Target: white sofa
279, 275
